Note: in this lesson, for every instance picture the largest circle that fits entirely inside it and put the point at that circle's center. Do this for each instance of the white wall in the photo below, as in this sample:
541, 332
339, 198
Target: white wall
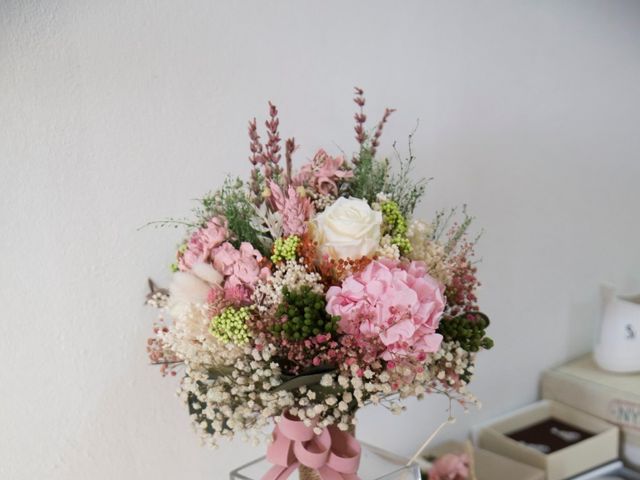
117, 112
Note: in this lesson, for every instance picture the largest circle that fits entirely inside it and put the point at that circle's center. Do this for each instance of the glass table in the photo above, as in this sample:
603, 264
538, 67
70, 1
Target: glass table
375, 464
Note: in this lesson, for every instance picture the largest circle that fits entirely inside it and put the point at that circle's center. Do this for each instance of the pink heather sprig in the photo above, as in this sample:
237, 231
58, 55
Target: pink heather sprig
267, 155
255, 145
159, 353
272, 148
375, 141
461, 292
359, 116
289, 147
256, 158
273, 145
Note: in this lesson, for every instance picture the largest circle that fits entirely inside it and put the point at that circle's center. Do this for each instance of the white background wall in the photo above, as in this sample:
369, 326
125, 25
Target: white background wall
118, 112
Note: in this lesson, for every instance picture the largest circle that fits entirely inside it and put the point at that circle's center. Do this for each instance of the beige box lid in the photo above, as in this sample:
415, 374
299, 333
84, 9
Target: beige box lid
585, 368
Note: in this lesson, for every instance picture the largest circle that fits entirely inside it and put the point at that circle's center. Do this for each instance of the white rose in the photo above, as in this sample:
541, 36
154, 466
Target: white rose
349, 228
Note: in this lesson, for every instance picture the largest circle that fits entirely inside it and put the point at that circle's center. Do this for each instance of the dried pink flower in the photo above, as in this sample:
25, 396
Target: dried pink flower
236, 292
202, 242
323, 173
241, 269
360, 117
296, 210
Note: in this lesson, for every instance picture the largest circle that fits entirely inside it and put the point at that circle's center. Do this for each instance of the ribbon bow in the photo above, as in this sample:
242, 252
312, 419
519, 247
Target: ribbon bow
334, 454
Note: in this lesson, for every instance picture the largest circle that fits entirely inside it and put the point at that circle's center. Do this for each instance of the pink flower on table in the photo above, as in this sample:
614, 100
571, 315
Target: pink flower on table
202, 242
398, 304
322, 173
450, 467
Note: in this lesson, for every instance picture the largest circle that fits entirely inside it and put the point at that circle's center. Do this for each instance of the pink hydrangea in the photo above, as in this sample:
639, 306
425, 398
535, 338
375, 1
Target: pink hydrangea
202, 242
396, 303
241, 269
323, 173
450, 467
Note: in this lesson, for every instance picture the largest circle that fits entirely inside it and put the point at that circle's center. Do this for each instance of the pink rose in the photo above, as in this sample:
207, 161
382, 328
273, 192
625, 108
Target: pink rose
246, 268
399, 304
241, 270
450, 467
202, 242
225, 257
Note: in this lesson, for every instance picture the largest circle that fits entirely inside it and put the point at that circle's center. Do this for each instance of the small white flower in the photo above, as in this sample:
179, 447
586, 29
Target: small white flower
326, 380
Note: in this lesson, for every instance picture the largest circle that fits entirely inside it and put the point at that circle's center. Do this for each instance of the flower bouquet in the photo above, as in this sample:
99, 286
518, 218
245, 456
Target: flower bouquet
298, 297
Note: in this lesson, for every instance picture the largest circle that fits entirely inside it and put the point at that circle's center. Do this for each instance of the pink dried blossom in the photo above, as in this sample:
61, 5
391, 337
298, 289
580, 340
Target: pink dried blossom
296, 210
224, 258
323, 173
241, 269
202, 242
236, 292
461, 291
450, 467
398, 304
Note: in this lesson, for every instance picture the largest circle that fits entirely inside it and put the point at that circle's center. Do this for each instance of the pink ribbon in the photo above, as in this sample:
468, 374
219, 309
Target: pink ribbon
334, 454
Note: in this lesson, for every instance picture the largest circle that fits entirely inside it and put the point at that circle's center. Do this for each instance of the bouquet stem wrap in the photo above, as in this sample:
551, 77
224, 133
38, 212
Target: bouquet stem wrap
333, 454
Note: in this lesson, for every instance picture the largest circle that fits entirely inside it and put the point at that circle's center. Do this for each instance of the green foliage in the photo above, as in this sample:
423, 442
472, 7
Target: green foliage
402, 188
300, 381
456, 230
369, 176
232, 202
305, 315
372, 176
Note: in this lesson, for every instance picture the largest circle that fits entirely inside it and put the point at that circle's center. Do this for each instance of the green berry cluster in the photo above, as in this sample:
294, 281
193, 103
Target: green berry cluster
468, 329
305, 315
285, 249
395, 224
230, 326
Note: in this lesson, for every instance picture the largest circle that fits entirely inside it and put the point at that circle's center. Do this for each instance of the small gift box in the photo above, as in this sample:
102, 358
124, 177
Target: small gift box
486, 465
551, 436
609, 396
